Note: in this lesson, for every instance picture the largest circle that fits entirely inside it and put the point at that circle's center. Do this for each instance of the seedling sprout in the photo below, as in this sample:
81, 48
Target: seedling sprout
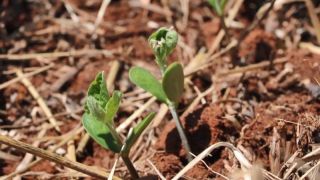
98, 120
170, 89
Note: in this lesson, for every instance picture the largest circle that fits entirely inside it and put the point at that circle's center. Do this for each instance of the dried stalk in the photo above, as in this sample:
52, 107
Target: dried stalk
314, 18
135, 115
252, 67
75, 53
38, 98
27, 75
55, 158
244, 162
73, 134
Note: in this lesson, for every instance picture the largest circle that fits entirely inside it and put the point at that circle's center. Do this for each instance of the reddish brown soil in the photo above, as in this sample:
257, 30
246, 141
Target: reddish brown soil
306, 64
125, 30
257, 46
204, 126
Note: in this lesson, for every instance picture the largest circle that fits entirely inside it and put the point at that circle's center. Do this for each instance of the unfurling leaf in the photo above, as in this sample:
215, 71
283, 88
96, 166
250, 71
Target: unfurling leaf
135, 133
100, 132
145, 80
98, 90
163, 42
112, 106
95, 110
173, 81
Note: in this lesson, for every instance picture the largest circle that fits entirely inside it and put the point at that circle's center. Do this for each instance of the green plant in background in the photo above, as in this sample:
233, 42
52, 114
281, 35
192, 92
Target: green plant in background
170, 89
218, 6
98, 120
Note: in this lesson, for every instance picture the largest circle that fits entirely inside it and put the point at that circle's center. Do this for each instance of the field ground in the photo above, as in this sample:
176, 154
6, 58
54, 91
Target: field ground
262, 96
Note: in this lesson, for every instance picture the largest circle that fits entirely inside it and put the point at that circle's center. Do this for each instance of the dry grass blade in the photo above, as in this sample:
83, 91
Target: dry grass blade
304, 176
71, 152
238, 154
54, 157
75, 53
256, 22
114, 69
311, 47
210, 169
232, 14
314, 18
185, 10
318, 82
135, 115
28, 157
82, 144
72, 136
9, 157
253, 67
27, 75
160, 115
39, 99
156, 170
202, 61
100, 15
196, 101
110, 177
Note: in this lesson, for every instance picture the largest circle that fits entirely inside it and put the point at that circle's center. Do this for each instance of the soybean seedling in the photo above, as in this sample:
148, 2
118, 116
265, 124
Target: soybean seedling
98, 120
170, 89
218, 7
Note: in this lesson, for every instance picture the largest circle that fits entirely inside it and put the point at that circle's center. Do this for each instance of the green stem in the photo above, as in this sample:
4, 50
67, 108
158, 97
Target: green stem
114, 134
133, 172
181, 132
162, 64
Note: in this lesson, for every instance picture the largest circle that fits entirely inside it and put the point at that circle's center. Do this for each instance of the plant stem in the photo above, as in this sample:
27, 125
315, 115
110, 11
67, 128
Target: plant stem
114, 134
125, 157
181, 132
133, 172
162, 66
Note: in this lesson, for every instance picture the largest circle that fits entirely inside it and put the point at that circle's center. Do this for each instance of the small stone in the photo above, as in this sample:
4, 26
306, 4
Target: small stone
61, 151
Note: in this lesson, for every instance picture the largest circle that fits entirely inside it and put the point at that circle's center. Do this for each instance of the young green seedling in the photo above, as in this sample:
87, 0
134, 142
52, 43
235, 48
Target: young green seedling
170, 89
98, 120
218, 7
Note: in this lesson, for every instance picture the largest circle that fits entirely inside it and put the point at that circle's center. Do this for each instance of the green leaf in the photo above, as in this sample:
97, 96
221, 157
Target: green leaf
98, 90
112, 106
95, 109
135, 133
223, 4
148, 82
171, 40
163, 42
100, 132
218, 6
173, 81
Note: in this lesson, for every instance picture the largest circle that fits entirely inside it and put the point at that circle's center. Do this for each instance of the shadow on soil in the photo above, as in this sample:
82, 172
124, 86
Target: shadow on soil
199, 135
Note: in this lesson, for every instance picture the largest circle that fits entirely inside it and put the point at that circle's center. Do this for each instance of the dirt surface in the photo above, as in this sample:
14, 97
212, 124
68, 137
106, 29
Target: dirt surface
269, 113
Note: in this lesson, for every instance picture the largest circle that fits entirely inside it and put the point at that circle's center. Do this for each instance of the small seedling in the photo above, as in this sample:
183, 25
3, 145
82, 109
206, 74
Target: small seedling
218, 6
170, 89
98, 120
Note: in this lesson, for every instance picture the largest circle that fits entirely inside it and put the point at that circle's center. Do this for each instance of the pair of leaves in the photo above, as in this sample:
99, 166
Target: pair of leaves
218, 6
163, 42
100, 112
171, 88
